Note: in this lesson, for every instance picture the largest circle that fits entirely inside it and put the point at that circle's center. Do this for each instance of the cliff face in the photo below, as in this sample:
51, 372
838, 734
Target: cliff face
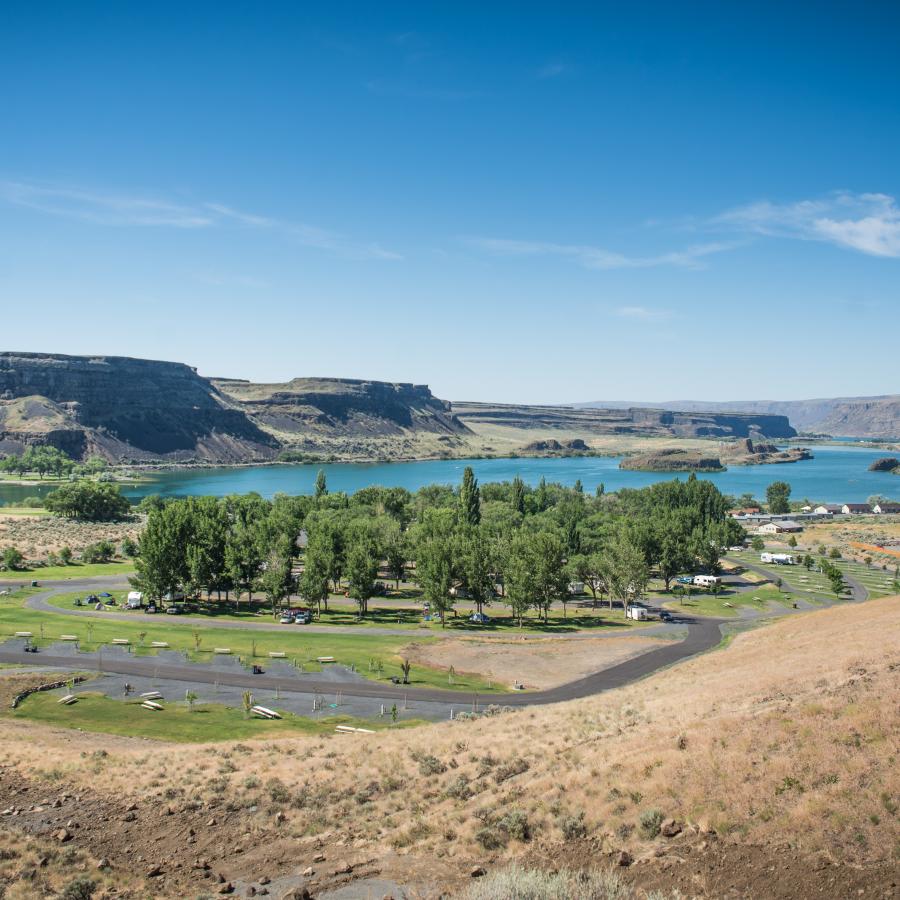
138, 410
872, 417
122, 408
343, 407
627, 421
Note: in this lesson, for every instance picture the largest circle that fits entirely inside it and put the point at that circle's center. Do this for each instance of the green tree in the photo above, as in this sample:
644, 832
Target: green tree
275, 579
362, 567
89, 500
316, 570
475, 563
469, 499
321, 484
12, 559
65, 555
778, 495
518, 495
434, 546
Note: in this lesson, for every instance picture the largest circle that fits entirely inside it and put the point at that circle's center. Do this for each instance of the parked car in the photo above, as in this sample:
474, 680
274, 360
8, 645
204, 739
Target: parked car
286, 620
479, 619
302, 619
174, 610
665, 616
151, 608
685, 579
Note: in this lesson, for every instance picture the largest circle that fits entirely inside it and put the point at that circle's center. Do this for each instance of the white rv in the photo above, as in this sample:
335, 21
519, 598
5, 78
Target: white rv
638, 613
779, 559
707, 580
135, 600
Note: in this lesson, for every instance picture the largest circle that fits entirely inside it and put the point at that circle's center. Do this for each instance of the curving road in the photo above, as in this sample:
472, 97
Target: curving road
702, 634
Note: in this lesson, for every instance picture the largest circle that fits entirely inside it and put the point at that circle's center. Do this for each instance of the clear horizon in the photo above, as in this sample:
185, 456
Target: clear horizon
567, 205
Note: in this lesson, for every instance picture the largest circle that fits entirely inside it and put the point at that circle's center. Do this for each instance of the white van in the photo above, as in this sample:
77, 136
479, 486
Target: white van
135, 600
707, 580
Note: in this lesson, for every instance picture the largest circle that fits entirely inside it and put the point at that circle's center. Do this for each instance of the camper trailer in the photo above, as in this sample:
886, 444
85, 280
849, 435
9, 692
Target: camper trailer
638, 613
706, 581
779, 559
135, 600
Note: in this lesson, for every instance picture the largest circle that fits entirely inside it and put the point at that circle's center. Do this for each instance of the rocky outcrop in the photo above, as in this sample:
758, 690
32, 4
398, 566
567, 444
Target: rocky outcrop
553, 447
743, 452
634, 420
755, 453
672, 460
886, 464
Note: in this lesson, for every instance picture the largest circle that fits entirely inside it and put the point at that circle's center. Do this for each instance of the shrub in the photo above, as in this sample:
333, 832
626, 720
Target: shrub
431, 765
101, 552
650, 821
459, 788
490, 838
80, 889
278, 792
515, 824
516, 883
510, 769
573, 827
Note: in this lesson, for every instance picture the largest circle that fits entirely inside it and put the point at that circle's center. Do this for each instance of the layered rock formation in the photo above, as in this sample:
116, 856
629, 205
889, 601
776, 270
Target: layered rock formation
625, 421
122, 408
136, 410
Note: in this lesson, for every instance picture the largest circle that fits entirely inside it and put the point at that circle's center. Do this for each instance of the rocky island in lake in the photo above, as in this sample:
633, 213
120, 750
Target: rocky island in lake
735, 453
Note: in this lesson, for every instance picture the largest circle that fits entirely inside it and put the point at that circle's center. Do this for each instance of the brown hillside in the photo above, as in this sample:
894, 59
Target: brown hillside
776, 757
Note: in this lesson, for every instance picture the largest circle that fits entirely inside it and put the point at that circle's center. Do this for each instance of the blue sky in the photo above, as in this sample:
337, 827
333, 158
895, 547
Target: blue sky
524, 202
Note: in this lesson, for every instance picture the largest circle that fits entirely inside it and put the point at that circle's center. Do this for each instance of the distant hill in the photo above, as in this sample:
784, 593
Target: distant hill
632, 420
871, 417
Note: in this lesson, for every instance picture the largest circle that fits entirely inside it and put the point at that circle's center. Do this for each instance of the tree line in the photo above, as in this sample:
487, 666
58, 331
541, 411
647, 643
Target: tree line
47, 460
498, 542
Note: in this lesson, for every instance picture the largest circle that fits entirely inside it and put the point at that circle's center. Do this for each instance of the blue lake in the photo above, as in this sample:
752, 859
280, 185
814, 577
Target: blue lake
836, 474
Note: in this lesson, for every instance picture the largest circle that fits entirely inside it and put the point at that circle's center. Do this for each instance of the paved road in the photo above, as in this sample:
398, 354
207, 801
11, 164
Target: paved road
858, 591
703, 634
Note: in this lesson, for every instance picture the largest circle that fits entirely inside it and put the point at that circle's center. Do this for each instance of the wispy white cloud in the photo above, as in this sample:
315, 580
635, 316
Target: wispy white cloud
643, 313
103, 209
598, 257
119, 210
868, 223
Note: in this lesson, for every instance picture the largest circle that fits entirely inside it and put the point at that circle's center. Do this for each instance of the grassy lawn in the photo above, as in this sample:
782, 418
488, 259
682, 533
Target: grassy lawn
23, 511
208, 721
375, 656
74, 570
343, 612
878, 582
729, 605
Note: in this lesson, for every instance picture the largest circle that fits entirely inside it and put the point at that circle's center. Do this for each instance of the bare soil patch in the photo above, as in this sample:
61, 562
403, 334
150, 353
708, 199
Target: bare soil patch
537, 663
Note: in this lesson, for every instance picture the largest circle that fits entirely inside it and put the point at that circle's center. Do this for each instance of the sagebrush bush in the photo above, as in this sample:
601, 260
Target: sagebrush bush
650, 822
516, 883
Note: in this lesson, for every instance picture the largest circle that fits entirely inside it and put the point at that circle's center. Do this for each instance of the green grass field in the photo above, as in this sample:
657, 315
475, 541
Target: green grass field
728, 606
207, 722
375, 656
23, 511
878, 582
343, 612
73, 571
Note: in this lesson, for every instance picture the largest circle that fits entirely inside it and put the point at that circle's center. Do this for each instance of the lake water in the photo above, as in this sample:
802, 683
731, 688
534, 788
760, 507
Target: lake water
837, 474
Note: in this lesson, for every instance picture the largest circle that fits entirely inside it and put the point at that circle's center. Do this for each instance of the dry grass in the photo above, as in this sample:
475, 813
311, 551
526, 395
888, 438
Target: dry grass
536, 663
789, 735
36, 536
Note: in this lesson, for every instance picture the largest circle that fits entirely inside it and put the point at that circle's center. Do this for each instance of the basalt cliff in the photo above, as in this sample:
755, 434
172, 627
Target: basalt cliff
146, 411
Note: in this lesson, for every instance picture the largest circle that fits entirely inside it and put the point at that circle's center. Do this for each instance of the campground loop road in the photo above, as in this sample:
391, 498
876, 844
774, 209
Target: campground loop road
858, 591
702, 634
